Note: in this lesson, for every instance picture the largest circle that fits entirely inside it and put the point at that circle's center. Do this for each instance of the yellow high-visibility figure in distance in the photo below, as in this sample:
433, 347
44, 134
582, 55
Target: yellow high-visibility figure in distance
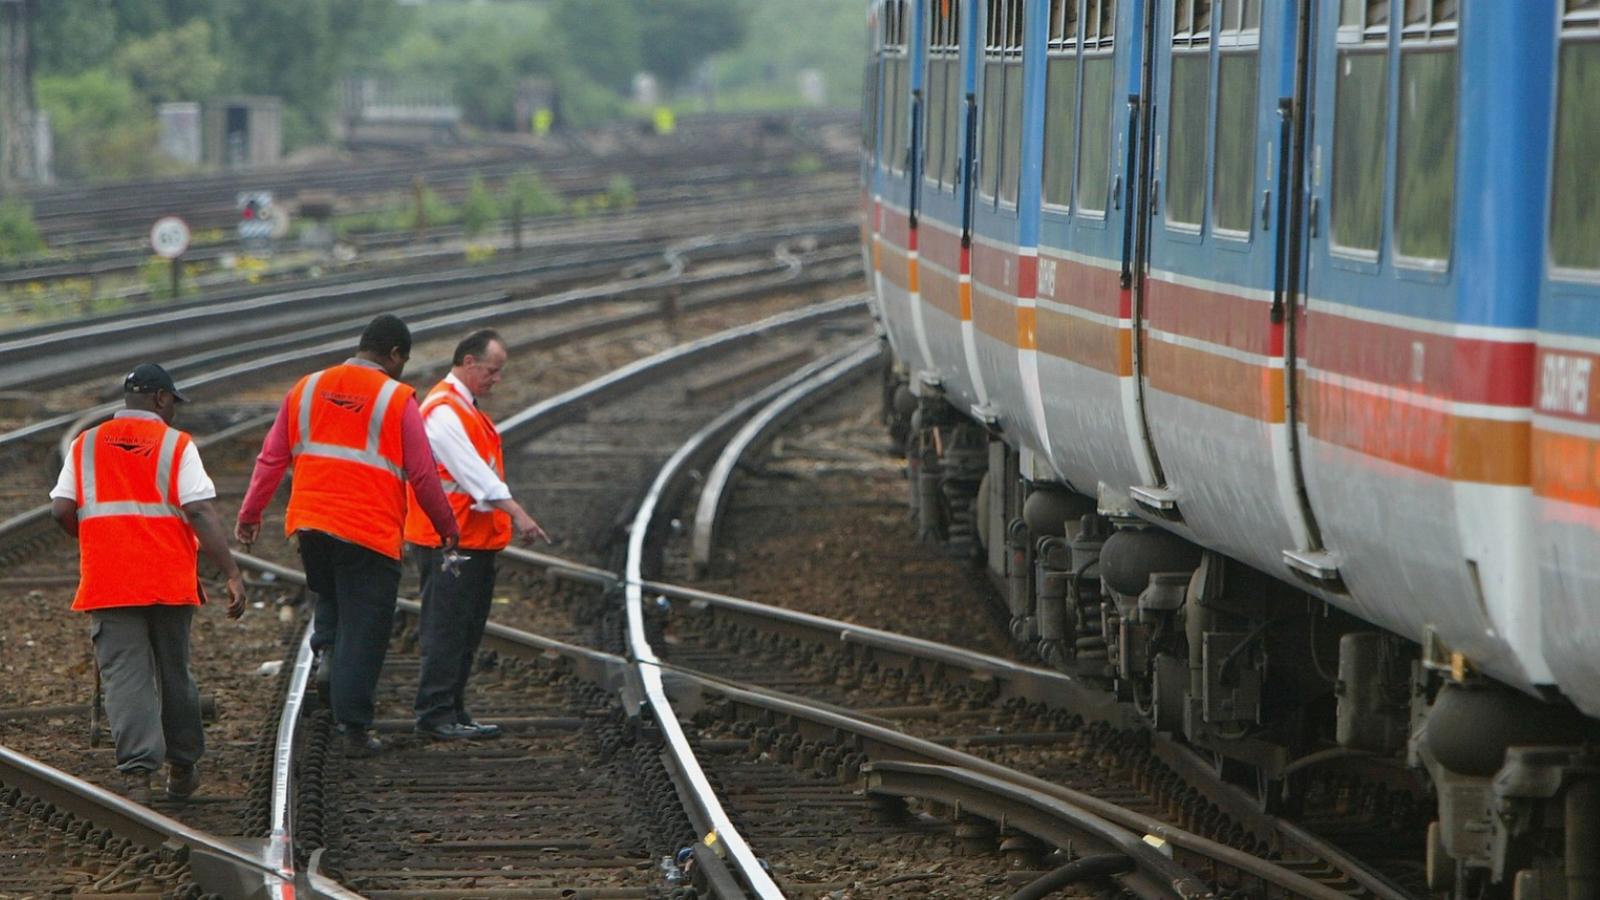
665, 121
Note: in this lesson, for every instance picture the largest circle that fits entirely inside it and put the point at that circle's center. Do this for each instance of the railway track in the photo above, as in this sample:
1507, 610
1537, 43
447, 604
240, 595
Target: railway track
696, 300
84, 215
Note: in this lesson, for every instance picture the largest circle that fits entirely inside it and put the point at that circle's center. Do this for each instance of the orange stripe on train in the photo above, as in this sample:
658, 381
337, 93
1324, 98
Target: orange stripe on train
1229, 384
1566, 467
1429, 440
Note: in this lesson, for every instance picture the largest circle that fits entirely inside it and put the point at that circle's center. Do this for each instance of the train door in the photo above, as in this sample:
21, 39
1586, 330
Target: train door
1004, 257
941, 251
1087, 201
1416, 350
895, 265
996, 251
1213, 306
1566, 421
868, 162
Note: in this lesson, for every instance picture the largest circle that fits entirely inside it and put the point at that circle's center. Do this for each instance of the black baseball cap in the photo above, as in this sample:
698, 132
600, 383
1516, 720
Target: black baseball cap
149, 378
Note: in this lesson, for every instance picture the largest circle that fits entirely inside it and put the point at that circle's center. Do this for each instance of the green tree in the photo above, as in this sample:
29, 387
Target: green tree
103, 127
604, 39
173, 65
780, 44
296, 50
679, 34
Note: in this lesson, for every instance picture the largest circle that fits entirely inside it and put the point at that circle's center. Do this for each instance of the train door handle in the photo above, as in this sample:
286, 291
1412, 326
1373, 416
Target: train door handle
1155, 197
1266, 210
1312, 215
1116, 193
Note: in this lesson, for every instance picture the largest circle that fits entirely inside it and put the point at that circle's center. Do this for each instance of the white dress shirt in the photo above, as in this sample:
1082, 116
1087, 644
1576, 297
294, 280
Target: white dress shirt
193, 482
447, 435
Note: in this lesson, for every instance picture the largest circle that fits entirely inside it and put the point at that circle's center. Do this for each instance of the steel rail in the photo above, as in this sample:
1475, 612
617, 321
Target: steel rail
1048, 818
1034, 683
714, 494
218, 865
494, 307
551, 412
35, 358
493, 311
694, 789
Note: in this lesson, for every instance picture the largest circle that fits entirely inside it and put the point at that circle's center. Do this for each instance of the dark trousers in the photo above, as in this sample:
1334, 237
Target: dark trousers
150, 695
356, 590
455, 607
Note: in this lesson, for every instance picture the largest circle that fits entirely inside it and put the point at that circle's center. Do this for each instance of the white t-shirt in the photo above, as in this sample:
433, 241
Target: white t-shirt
193, 482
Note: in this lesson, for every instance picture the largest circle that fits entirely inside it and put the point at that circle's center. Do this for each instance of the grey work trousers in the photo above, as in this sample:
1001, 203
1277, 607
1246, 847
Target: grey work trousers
151, 698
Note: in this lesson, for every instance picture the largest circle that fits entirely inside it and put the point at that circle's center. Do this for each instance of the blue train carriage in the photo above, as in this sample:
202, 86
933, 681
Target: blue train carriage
1566, 421
1256, 344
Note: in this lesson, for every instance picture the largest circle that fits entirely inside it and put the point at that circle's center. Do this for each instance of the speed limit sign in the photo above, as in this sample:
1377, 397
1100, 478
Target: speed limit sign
169, 237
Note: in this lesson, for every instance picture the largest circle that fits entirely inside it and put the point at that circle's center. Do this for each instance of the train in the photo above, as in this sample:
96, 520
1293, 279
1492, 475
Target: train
1251, 347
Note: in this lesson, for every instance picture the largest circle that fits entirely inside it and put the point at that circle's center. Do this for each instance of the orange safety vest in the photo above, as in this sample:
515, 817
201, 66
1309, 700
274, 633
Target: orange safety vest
136, 548
349, 467
479, 530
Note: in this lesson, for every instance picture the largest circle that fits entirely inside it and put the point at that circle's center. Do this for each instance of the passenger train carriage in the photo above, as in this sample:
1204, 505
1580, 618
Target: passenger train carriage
1252, 346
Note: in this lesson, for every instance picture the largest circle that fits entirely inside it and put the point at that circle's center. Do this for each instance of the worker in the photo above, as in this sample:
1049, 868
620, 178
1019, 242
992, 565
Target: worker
137, 498
457, 594
355, 438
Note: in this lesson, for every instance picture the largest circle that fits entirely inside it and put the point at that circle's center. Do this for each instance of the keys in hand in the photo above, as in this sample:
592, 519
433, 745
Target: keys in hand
450, 562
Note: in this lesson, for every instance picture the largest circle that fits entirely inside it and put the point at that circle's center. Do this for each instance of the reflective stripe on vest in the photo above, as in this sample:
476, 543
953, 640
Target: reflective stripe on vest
90, 507
367, 457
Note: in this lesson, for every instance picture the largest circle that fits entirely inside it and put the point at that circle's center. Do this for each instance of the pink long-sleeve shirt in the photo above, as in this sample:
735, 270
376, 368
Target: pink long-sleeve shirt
417, 458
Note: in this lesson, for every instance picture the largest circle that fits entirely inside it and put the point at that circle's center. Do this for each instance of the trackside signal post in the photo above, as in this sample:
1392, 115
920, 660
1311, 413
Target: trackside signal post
169, 238
258, 219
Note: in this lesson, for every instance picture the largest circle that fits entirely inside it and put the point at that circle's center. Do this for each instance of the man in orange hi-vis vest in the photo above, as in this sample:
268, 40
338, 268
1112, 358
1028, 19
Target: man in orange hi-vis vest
456, 598
355, 439
134, 493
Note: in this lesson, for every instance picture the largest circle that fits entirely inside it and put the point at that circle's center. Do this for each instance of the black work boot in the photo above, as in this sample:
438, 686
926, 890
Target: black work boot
182, 780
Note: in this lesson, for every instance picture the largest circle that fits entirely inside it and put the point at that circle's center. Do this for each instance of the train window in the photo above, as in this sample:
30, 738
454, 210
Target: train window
1360, 119
933, 119
891, 122
869, 109
1575, 206
943, 91
1367, 20
1001, 155
1236, 18
1233, 178
1094, 130
1187, 110
993, 97
952, 122
1425, 162
989, 155
1186, 138
1012, 162
1060, 102
1190, 18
